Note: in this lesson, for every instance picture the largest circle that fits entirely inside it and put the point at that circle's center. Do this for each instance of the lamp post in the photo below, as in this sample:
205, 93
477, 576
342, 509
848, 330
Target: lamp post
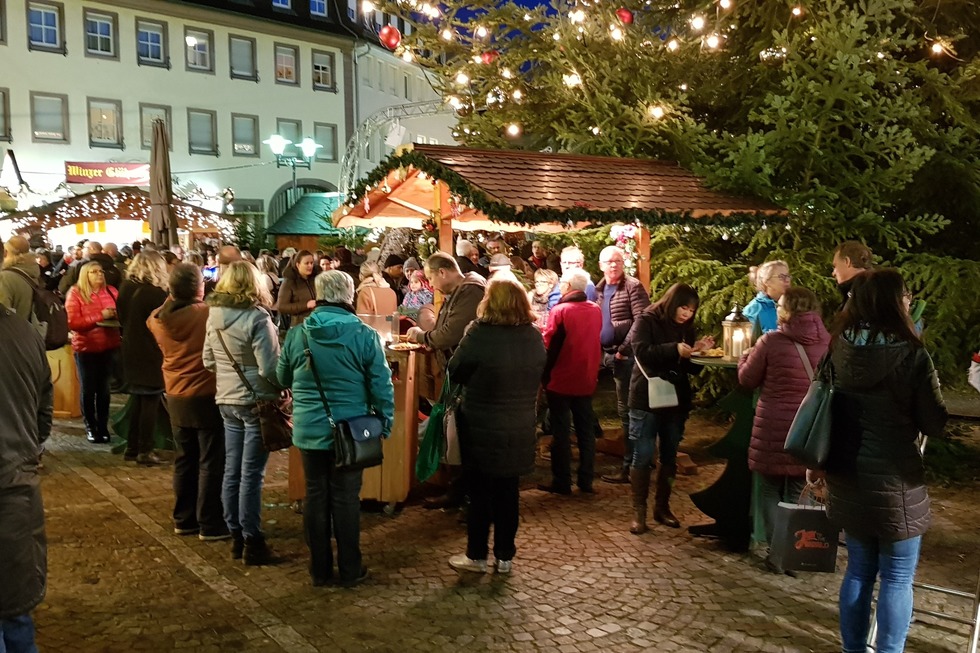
307, 146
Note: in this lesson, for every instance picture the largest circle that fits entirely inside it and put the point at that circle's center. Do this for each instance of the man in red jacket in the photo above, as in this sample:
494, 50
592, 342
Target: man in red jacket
570, 374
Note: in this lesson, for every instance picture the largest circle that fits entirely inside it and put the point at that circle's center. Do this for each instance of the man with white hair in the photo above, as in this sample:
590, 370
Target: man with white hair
468, 256
570, 376
18, 277
572, 258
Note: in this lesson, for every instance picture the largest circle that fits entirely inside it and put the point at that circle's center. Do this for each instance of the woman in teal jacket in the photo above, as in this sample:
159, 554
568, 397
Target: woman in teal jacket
771, 279
356, 381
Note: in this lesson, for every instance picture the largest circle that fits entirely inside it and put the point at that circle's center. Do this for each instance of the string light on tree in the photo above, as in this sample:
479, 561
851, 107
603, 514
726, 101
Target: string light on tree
446, 34
713, 42
513, 130
673, 45
572, 80
576, 16
697, 23
616, 33
725, 4
797, 11
656, 111
462, 78
506, 74
481, 32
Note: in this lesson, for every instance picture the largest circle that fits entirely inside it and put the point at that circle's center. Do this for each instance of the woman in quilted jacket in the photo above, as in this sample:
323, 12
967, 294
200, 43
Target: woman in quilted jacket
776, 366
89, 303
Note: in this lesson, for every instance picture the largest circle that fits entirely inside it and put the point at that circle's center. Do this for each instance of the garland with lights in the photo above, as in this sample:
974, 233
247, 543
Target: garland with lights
530, 216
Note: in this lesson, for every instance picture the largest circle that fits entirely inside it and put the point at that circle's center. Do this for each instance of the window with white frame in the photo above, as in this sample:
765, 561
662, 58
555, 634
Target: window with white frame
151, 43
101, 34
323, 71
244, 135
325, 134
318, 8
49, 117
4, 113
202, 132
281, 4
105, 123
242, 55
287, 62
198, 50
149, 113
45, 26
291, 130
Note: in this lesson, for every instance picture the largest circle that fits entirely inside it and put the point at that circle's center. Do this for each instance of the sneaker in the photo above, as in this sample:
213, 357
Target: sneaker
354, 582
462, 563
503, 566
256, 551
192, 530
214, 537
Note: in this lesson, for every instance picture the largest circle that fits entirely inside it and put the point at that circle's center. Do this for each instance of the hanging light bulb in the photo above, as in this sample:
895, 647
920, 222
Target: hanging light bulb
697, 23
725, 4
673, 44
462, 78
481, 32
454, 102
713, 41
797, 11
616, 33
513, 130
937, 48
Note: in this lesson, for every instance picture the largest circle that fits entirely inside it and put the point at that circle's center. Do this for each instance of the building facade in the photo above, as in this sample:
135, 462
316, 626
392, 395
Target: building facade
83, 80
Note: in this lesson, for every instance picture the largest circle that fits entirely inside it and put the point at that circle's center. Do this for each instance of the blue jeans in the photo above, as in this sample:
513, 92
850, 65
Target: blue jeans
17, 635
332, 505
245, 458
647, 427
867, 557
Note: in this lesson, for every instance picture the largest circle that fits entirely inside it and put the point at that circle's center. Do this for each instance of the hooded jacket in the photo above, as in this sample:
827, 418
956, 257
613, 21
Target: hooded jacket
774, 364
252, 339
141, 357
350, 362
761, 312
25, 407
16, 292
885, 395
295, 293
87, 336
572, 340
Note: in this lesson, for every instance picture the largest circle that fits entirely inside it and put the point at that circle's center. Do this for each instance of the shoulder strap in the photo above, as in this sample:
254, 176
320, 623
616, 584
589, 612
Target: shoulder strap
316, 377
642, 371
805, 359
27, 277
234, 363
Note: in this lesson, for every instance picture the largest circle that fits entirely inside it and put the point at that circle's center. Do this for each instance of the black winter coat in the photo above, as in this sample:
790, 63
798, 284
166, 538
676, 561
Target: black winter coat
885, 395
142, 361
627, 304
500, 370
654, 340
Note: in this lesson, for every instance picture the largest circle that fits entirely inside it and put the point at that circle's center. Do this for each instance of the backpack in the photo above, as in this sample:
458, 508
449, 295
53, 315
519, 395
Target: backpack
49, 313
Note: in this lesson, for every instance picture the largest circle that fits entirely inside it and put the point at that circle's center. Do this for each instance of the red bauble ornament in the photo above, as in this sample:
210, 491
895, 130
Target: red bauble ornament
625, 15
489, 56
390, 37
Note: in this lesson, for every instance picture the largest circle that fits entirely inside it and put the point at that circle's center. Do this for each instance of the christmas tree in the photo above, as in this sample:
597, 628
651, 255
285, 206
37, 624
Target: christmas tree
860, 117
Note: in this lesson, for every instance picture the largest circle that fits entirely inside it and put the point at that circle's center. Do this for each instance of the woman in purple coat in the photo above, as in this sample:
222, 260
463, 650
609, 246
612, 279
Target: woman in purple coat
776, 365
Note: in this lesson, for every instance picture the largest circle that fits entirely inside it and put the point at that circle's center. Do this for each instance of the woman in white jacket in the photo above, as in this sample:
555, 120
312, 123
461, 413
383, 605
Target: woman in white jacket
240, 332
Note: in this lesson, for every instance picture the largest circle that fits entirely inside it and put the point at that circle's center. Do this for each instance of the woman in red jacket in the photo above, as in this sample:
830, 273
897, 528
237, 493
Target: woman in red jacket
776, 364
90, 302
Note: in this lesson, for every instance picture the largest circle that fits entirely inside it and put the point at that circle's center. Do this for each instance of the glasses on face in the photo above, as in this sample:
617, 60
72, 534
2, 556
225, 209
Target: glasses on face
544, 282
908, 296
572, 264
612, 261
785, 277
96, 271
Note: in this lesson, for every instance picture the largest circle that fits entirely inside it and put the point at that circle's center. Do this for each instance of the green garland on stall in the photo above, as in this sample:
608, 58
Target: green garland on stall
534, 215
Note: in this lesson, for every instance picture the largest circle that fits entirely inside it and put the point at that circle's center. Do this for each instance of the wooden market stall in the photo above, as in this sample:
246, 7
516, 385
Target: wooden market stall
302, 225
444, 188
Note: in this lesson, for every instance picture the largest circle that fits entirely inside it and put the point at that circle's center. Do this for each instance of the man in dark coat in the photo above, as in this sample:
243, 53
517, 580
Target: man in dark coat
622, 299
25, 423
92, 251
851, 258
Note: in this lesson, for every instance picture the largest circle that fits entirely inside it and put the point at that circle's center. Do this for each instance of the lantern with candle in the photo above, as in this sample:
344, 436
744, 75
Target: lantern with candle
736, 333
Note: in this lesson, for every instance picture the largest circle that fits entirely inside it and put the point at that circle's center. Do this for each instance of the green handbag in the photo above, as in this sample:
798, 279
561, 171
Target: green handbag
433, 445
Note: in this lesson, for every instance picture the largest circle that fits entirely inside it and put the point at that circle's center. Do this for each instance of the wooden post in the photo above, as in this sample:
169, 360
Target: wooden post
643, 257
444, 221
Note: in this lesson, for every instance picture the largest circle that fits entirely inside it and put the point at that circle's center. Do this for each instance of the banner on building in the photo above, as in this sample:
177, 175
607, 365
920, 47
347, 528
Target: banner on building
107, 174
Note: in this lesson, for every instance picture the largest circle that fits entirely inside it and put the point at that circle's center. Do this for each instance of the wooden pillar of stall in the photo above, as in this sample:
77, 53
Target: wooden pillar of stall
643, 257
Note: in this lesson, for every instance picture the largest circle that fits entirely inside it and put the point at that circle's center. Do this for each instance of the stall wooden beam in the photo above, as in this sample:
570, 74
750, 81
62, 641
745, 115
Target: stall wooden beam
643, 257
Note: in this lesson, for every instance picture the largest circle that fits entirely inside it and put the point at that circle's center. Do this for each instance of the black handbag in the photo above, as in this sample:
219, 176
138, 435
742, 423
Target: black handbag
275, 416
357, 441
808, 439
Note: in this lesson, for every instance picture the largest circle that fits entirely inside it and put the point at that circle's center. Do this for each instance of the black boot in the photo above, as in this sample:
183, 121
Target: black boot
237, 545
661, 502
622, 477
640, 482
256, 551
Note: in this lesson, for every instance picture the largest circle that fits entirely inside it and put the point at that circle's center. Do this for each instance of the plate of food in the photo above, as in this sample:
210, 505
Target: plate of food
716, 352
404, 346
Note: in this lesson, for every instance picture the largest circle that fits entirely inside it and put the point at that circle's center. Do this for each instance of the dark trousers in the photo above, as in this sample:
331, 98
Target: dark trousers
94, 370
565, 410
622, 370
332, 503
143, 424
199, 467
493, 500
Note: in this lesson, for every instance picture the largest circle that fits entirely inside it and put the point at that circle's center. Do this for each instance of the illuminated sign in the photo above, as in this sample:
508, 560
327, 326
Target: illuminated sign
107, 174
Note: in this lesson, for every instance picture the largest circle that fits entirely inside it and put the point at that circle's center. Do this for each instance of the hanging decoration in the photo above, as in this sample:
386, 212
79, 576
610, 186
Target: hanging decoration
625, 15
489, 56
390, 37
625, 238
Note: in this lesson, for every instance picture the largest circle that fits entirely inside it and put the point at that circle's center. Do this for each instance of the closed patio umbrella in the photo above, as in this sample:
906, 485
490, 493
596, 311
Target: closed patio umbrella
163, 222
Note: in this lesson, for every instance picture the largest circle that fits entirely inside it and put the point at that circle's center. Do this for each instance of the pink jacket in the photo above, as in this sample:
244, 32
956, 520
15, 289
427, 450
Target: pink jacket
774, 364
86, 335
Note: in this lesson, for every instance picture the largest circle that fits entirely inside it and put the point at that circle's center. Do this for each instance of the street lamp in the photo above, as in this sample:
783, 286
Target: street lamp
307, 146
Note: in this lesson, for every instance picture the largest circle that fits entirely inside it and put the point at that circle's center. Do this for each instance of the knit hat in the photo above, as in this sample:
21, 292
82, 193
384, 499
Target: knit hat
393, 259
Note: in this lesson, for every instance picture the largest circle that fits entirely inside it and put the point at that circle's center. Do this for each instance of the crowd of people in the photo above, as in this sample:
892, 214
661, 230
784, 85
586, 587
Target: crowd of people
215, 332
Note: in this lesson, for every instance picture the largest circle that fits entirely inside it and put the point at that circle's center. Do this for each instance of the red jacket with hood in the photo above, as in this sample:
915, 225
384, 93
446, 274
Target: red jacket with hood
572, 340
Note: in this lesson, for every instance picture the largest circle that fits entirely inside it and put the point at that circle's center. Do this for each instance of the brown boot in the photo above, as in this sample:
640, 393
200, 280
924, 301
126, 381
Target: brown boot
640, 481
661, 501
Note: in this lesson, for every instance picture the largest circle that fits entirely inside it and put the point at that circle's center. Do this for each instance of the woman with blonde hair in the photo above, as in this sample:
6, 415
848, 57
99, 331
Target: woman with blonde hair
143, 291
771, 279
90, 303
374, 295
498, 363
241, 345
545, 284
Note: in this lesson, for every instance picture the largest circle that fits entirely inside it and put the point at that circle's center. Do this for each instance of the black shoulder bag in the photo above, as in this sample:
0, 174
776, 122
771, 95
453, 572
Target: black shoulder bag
357, 441
275, 417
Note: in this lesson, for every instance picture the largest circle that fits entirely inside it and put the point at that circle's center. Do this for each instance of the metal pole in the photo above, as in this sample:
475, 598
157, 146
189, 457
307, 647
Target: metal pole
292, 194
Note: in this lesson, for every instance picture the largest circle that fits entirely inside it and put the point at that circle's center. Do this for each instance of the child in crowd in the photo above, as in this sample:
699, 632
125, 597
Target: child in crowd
419, 294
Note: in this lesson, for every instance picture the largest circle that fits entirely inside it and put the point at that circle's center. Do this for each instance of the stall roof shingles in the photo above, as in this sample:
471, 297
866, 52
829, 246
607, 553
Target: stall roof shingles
564, 181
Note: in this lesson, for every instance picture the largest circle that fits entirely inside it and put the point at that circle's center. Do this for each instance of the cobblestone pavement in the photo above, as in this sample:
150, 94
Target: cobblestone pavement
119, 580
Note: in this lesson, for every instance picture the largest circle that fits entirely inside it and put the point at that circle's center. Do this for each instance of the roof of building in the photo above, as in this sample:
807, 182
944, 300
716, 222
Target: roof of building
310, 215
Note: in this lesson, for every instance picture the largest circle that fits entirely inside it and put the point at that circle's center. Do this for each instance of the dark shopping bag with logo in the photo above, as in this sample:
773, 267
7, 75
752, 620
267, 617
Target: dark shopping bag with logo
803, 538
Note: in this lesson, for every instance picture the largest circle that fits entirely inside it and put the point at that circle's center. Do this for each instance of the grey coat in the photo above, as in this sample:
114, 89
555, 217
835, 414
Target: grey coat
25, 423
253, 341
